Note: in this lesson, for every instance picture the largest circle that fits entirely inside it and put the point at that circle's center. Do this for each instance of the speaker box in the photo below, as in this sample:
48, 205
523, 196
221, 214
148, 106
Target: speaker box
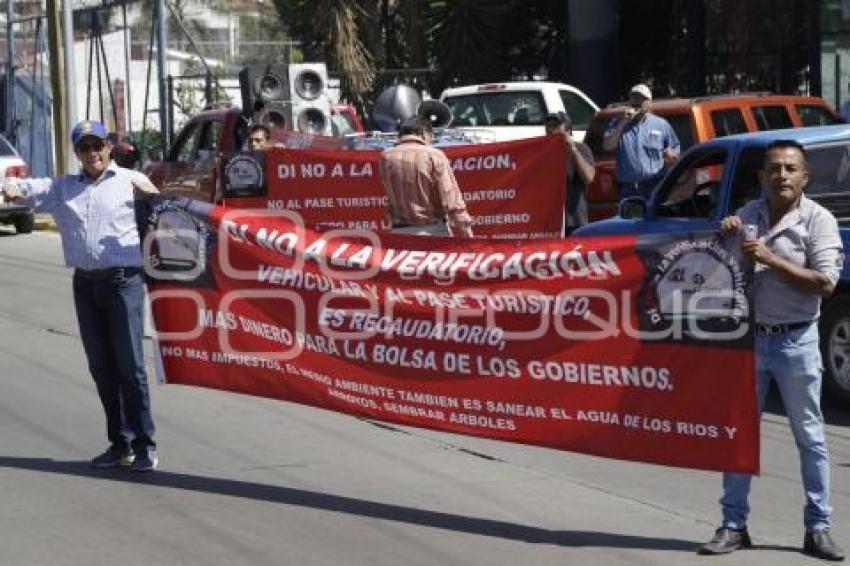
308, 95
266, 94
274, 115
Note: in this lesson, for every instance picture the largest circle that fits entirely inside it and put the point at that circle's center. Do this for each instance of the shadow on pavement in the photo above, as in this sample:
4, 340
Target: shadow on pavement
834, 412
352, 506
778, 548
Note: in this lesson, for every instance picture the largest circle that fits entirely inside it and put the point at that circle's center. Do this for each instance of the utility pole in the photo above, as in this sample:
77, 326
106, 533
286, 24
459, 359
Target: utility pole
69, 54
127, 98
162, 47
9, 126
60, 124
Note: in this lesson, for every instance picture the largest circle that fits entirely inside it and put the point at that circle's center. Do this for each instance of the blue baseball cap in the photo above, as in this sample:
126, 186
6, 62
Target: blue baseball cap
88, 128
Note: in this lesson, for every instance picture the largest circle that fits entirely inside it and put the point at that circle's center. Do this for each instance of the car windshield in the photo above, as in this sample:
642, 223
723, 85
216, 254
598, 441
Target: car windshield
511, 108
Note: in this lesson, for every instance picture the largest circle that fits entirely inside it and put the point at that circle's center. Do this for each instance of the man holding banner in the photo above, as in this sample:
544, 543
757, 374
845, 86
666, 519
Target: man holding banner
421, 188
796, 248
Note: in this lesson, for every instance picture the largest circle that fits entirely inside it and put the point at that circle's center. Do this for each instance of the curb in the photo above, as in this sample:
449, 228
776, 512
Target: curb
45, 222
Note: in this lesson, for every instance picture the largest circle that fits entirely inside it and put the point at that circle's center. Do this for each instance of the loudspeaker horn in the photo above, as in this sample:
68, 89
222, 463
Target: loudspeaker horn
436, 112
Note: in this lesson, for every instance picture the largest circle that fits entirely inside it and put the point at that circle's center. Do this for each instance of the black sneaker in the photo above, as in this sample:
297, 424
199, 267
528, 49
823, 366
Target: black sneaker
726, 540
112, 459
146, 461
820, 545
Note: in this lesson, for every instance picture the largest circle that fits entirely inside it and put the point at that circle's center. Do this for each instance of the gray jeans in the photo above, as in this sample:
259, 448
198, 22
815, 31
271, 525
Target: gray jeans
436, 229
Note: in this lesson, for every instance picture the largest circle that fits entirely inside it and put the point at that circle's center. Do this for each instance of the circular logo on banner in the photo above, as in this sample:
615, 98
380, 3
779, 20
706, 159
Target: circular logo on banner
176, 243
243, 174
698, 281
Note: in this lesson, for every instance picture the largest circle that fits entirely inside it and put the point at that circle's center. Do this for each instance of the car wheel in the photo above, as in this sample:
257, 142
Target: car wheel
835, 347
24, 223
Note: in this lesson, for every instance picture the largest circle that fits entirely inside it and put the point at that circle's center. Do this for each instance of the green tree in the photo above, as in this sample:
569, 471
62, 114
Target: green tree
339, 32
469, 40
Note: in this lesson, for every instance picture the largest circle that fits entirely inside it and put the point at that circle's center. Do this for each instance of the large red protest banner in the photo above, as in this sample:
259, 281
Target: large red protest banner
616, 347
513, 190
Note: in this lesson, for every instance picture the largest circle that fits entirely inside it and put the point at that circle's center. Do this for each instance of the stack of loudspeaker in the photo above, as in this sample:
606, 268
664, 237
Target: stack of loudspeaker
293, 97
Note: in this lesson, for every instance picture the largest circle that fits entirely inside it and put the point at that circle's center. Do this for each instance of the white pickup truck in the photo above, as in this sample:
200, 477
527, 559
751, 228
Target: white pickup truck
515, 110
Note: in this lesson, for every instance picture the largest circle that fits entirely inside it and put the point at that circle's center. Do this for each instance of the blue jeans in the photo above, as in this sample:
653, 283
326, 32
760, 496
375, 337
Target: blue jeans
793, 361
110, 312
639, 188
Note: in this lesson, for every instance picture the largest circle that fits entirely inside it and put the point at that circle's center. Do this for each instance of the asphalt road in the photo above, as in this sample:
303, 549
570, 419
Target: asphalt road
254, 482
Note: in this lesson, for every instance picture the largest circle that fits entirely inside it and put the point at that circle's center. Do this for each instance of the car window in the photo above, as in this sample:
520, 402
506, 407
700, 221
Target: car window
577, 108
814, 115
771, 117
207, 144
595, 134
184, 147
681, 124
512, 108
829, 179
692, 189
341, 124
745, 184
829, 169
728, 122
240, 132
6, 149
209, 136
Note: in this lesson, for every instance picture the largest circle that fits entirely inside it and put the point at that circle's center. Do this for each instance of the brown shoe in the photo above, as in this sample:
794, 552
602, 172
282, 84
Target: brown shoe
726, 540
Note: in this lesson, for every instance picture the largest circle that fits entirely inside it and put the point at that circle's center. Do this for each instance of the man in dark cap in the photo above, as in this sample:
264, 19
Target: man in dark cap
580, 170
95, 213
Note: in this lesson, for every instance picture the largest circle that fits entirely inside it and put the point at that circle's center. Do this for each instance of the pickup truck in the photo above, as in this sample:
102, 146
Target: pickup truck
716, 178
20, 216
516, 110
190, 166
697, 120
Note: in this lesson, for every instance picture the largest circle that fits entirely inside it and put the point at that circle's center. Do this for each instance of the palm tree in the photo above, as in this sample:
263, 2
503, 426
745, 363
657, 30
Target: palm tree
470, 39
337, 32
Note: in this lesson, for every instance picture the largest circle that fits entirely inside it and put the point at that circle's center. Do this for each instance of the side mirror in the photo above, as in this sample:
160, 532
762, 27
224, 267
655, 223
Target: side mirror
633, 208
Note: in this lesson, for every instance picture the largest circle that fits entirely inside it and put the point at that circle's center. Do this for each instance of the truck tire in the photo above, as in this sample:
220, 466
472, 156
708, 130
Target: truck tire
24, 223
835, 348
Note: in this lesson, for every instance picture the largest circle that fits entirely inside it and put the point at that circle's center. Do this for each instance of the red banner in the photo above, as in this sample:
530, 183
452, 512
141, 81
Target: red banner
513, 190
616, 347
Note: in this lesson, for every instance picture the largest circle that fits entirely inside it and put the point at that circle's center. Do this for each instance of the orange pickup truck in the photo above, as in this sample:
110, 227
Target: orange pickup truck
699, 119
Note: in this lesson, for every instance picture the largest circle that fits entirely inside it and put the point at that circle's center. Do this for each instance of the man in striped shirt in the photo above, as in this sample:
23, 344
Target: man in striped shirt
95, 213
421, 188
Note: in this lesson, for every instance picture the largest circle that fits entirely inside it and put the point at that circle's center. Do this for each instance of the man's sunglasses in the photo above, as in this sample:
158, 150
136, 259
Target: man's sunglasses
92, 145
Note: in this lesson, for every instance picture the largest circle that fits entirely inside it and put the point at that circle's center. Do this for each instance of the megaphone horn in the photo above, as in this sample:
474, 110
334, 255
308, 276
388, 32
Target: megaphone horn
436, 112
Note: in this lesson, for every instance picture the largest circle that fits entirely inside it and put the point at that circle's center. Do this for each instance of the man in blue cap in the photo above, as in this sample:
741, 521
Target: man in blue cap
95, 213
